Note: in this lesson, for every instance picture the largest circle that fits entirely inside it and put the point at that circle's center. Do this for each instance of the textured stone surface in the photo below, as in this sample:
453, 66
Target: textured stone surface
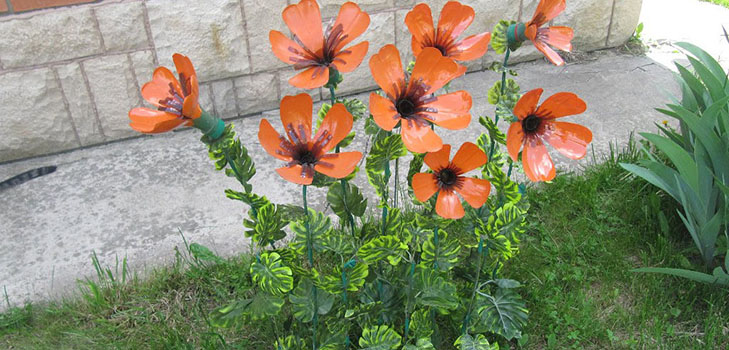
122, 26
330, 8
48, 37
223, 93
115, 92
590, 20
143, 65
34, 117
625, 18
209, 32
261, 18
257, 92
129, 198
79, 104
206, 99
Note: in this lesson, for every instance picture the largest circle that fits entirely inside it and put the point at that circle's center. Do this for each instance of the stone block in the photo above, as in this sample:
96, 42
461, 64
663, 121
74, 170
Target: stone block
224, 98
590, 20
626, 16
115, 92
209, 32
80, 104
49, 36
330, 8
261, 18
35, 120
122, 26
256, 93
143, 66
206, 99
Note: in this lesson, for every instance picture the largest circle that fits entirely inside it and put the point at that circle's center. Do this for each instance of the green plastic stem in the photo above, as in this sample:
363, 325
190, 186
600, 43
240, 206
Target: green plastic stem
503, 89
467, 319
310, 256
210, 126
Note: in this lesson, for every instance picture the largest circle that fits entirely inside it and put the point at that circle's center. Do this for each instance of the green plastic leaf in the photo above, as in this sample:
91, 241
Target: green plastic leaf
416, 164
493, 130
433, 290
346, 199
307, 299
265, 305
383, 247
393, 222
271, 275
479, 342
505, 187
255, 201
385, 150
379, 338
288, 343
504, 313
319, 227
420, 344
203, 253
499, 41
267, 225
442, 253
229, 151
261, 306
354, 279
421, 324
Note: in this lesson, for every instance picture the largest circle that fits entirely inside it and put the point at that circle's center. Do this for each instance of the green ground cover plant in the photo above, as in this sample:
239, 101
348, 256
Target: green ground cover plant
586, 233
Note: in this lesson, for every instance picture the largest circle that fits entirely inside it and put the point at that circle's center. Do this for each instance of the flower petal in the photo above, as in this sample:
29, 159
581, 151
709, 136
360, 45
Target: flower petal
469, 157
293, 174
271, 140
150, 121
474, 191
190, 106
448, 205
287, 50
354, 22
338, 123
550, 54
420, 23
451, 110
348, 60
558, 36
472, 47
311, 78
514, 140
386, 69
560, 105
304, 20
419, 138
547, 10
295, 111
433, 70
185, 70
527, 104
454, 19
384, 112
538, 165
569, 139
159, 88
424, 186
439, 159
338, 165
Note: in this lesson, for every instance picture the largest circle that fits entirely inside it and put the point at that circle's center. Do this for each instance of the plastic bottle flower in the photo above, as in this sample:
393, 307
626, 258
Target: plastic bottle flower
447, 179
176, 100
454, 19
304, 152
537, 124
319, 52
411, 103
557, 36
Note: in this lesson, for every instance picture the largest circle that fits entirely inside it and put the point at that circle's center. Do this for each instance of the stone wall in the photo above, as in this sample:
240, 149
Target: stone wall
70, 74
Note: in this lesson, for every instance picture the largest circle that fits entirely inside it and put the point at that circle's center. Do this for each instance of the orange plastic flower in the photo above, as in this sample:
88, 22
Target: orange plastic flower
176, 101
454, 19
316, 51
537, 124
557, 36
447, 179
306, 153
411, 103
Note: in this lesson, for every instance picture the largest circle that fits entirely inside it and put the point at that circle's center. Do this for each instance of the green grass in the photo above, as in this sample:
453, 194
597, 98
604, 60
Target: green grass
724, 3
586, 234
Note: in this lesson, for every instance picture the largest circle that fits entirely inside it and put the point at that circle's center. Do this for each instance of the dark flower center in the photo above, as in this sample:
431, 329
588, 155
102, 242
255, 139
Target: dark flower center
405, 107
443, 50
305, 157
447, 177
531, 123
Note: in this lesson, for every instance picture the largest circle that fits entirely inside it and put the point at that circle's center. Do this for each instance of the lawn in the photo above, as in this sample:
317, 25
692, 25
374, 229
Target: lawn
724, 3
586, 233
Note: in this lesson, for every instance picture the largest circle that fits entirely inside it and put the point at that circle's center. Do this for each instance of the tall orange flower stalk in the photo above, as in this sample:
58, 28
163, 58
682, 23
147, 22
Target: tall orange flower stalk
410, 101
320, 53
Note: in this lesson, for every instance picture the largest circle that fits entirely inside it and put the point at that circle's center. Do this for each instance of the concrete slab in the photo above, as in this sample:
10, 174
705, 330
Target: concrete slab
132, 198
